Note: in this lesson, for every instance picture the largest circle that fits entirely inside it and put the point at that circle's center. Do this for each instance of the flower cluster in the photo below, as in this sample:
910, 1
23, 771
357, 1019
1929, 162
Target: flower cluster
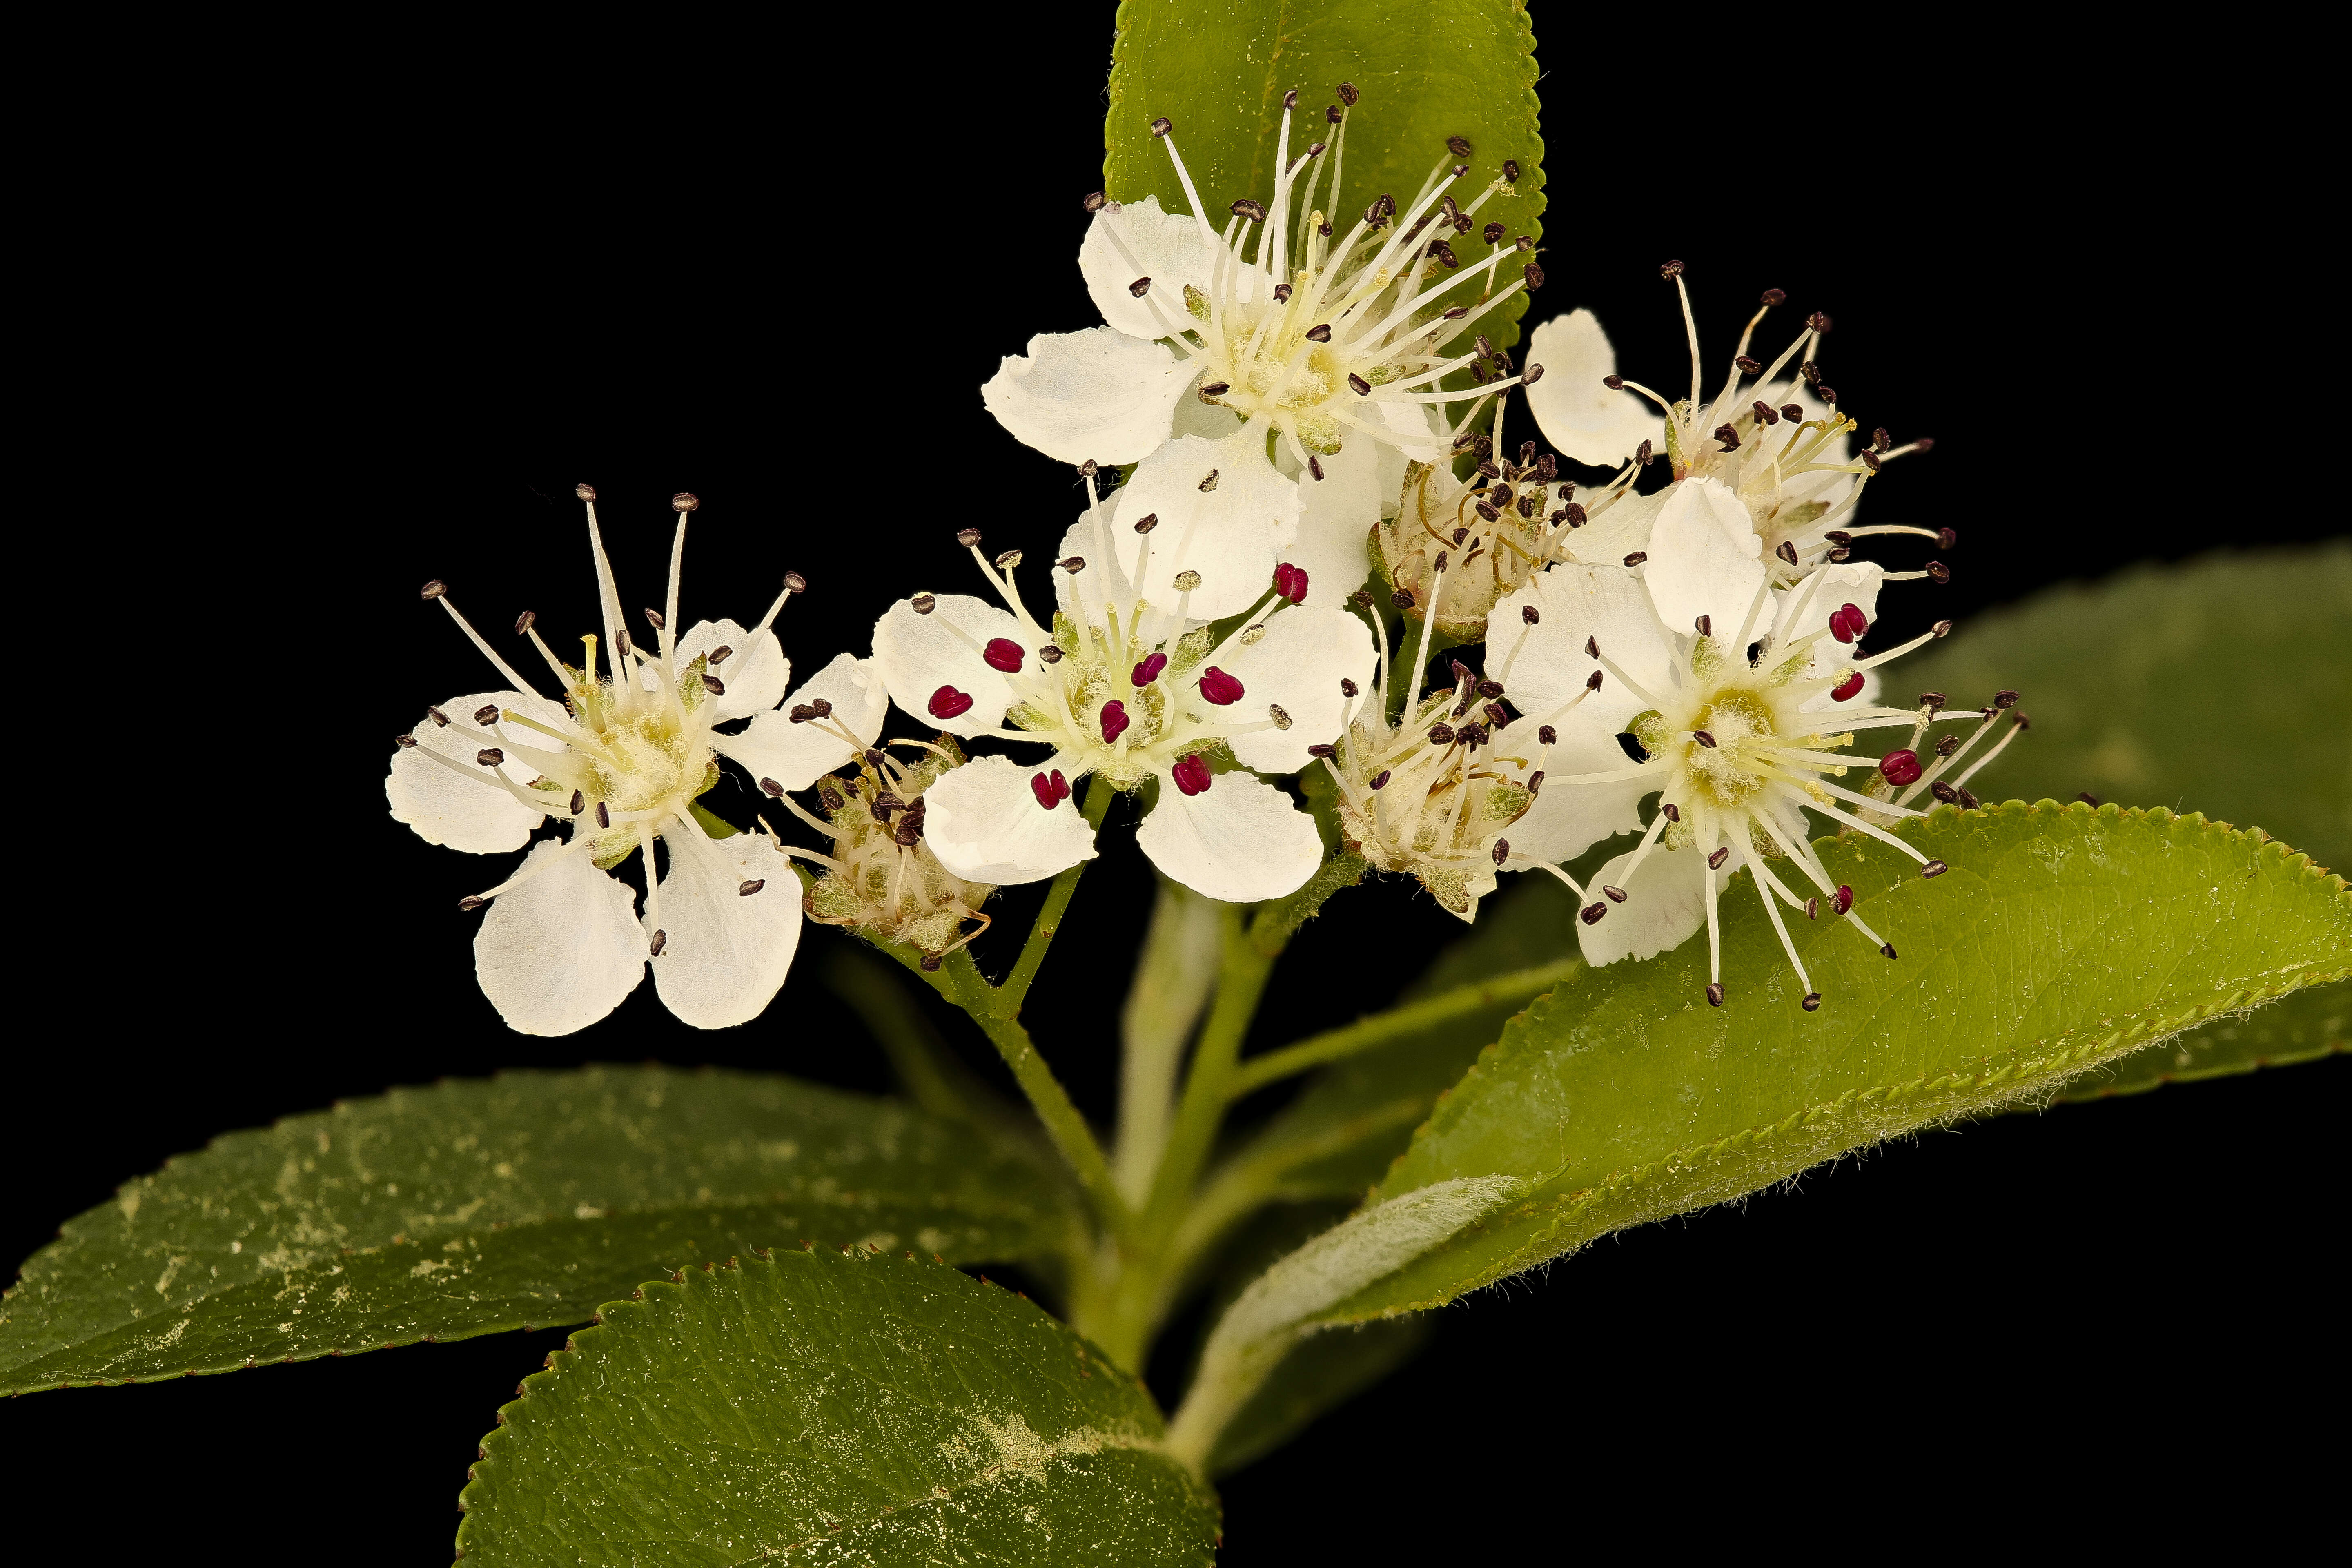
1278, 386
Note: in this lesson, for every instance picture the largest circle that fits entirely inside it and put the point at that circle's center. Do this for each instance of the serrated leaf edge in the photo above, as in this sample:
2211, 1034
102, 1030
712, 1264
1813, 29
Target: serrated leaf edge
2030, 1065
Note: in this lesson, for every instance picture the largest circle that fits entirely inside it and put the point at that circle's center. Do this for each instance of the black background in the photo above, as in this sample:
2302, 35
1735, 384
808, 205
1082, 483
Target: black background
385, 349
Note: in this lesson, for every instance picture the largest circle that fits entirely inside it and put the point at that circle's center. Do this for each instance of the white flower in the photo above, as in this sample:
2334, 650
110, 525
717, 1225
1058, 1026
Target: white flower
1323, 340
1134, 692
619, 761
1725, 694
1770, 436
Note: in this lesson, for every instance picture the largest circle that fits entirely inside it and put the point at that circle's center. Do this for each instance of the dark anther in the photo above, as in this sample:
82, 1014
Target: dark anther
1492, 234
1940, 629
1776, 296
1290, 99
1765, 412
796, 584
1843, 552
1162, 126
1817, 322
830, 797
439, 718
1870, 459
772, 787
1362, 388
1811, 371
1943, 792
1713, 994
1704, 626
713, 685
1932, 701
1571, 514
1502, 850
1209, 481
1093, 201
406, 742
1934, 869
1748, 366
1613, 382
1615, 895
1672, 812
1592, 648
529, 618
1321, 751
1254, 211
719, 654
1331, 113
485, 713
923, 604
1787, 552
683, 501
1592, 681
1714, 861
1147, 523
1402, 598
1671, 270
1457, 314
967, 537
1051, 653
1348, 688
1315, 466
1314, 150
1140, 288
585, 492
1441, 734
1215, 389
746, 889
1888, 950
1010, 558
2087, 798
1633, 748
1937, 573
1547, 736
1968, 800
1458, 146
1282, 293
1755, 651
489, 757
2004, 699
1947, 745
1490, 689
1828, 394
1380, 779
433, 590
469, 904
801, 714
1792, 413
823, 707
1496, 717
1590, 914
1728, 437
1319, 335
1637, 558
653, 619
1348, 93
1945, 538
1534, 374
1642, 454
1812, 1002
604, 815
1704, 739
1535, 275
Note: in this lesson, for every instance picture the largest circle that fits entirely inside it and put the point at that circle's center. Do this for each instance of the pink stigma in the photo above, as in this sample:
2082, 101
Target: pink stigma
1218, 687
1003, 653
1115, 719
1148, 670
1848, 623
1290, 582
1901, 767
1847, 690
1844, 899
1191, 776
1042, 787
947, 702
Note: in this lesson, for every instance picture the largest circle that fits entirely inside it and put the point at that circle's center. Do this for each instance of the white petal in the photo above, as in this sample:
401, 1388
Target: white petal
1240, 840
478, 816
755, 674
562, 950
727, 952
1337, 515
1410, 427
984, 823
1163, 246
918, 655
1617, 532
1547, 671
795, 755
1566, 818
1232, 535
1582, 418
1299, 664
1705, 559
1666, 905
1097, 394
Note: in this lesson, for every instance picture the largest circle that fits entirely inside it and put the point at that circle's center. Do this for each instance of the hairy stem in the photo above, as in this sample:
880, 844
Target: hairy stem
1173, 981
1380, 1027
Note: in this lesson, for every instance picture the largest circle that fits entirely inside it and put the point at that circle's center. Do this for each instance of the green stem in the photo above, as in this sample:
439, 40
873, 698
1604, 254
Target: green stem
1243, 970
1365, 1033
1015, 989
961, 982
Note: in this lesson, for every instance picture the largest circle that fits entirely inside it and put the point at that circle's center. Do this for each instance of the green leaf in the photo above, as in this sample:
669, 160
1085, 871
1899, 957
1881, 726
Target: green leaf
1426, 73
2312, 1023
2061, 939
2222, 685
474, 1206
828, 1409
